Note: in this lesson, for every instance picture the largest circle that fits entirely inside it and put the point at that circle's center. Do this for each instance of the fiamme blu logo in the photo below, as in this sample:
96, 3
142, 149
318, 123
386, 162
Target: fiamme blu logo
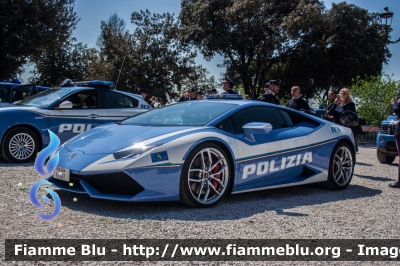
40, 164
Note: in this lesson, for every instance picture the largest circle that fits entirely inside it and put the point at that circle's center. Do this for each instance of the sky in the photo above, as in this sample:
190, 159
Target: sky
92, 12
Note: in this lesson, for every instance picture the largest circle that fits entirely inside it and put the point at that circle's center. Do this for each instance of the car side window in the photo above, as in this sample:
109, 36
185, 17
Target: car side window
21, 93
296, 118
5, 94
116, 100
83, 99
227, 125
262, 114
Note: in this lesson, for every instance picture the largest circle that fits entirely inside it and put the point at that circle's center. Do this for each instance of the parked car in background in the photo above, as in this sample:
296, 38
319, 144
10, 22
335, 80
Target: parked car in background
13, 92
66, 111
386, 150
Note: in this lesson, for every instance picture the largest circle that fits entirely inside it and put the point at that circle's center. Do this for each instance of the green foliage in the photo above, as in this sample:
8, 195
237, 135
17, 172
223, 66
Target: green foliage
31, 28
71, 61
372, 97
150, 57
297, 41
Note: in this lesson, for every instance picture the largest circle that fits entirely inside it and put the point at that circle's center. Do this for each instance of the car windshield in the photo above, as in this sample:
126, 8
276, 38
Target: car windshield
45, 98
190, 113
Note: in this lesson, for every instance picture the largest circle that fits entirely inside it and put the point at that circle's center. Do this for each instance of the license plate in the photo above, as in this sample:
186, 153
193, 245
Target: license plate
61, 174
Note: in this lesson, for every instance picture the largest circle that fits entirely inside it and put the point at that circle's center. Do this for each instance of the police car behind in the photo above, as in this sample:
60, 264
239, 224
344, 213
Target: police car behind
13, 92
67, 111
386, 150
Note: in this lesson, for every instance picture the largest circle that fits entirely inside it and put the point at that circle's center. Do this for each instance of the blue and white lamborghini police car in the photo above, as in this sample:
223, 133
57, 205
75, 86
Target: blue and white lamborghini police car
198, 151
67, 111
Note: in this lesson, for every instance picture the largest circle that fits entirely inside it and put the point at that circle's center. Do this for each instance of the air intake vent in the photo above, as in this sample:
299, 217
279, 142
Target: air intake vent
307, 172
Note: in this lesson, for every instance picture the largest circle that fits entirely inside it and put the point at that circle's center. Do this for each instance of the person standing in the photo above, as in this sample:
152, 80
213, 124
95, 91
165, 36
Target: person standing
143, 93
199, 95
395, 106
270, 92
213, 91
343, 103
297, 102
152, 101
185, 97
227, 85
331, 97
192, 94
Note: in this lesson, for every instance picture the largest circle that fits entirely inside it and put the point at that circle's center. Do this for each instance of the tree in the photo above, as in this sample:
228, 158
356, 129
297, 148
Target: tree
31, 28
248, 34
150, 57
71, 61
372, 97
297, 41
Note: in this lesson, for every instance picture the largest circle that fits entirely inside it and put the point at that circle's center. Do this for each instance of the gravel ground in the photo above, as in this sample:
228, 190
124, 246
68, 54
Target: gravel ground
366, 209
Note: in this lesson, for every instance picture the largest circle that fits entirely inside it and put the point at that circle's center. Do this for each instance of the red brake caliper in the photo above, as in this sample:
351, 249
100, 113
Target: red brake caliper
218, 176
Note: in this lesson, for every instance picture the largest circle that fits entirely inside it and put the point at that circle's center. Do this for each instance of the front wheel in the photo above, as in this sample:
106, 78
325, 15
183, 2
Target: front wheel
341, 167
382, 158
20, 145
205, 176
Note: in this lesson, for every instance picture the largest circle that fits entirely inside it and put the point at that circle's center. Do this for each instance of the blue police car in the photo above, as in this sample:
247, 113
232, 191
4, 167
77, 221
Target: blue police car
386, 150
13, 92
67, 111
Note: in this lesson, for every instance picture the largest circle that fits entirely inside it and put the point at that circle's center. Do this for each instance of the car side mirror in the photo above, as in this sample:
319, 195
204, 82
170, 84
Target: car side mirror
65, 105
256, 128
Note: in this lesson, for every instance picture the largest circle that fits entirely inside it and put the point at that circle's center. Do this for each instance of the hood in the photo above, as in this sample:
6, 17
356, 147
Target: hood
111, 138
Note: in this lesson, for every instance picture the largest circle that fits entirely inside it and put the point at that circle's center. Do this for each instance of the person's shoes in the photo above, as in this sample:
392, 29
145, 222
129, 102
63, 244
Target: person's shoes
395, 184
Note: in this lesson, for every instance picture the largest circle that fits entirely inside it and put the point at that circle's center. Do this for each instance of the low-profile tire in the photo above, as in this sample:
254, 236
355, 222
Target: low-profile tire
205, 182
20, 145
341, 167
382, 158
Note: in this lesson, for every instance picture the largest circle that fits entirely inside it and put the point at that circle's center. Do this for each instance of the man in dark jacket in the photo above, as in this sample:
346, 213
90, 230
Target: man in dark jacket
192, 94
331, 97
270, 95
297, 102
227, 85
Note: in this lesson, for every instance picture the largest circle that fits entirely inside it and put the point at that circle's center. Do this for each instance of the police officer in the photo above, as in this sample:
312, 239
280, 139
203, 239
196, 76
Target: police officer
297, 102
213, 91
227, 85
185, 97
331, 97
192, 94
143, 92
270, 94
199, 95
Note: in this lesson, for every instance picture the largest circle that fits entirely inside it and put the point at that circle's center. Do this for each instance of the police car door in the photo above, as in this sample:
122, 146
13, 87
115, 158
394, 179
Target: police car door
270, 158
83, 115
119, 106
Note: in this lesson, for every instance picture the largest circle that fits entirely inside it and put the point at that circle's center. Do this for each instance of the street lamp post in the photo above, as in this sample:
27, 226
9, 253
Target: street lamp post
387, 15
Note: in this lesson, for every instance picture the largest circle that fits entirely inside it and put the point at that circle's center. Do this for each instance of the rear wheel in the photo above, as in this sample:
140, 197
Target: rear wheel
20, 145
341, 167
382, 158
205, 176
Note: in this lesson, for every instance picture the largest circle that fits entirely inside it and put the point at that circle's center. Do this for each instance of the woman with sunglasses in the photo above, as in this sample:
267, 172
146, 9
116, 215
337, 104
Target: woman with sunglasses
343, 103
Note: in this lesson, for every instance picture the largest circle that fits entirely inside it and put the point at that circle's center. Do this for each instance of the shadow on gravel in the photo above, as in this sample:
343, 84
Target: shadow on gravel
375, 178
364, 164
236, 206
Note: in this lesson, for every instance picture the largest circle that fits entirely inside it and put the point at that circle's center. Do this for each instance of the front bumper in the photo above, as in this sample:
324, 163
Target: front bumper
135, 185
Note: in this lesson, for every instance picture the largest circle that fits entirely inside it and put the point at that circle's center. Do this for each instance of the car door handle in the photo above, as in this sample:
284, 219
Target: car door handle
94, 116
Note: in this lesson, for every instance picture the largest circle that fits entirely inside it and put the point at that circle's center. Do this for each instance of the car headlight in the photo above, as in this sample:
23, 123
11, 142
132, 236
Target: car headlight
135, 152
